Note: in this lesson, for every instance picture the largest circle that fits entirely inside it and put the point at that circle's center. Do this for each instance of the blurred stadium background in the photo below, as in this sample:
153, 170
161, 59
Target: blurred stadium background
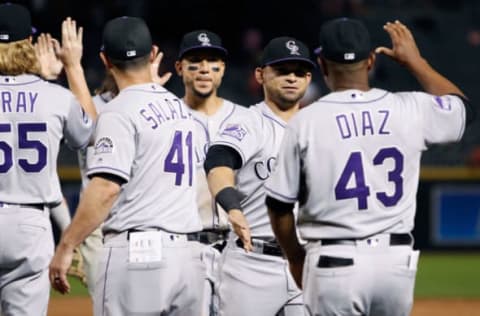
448, 35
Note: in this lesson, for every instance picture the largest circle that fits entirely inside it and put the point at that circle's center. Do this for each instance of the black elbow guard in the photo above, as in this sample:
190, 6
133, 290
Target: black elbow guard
222, 156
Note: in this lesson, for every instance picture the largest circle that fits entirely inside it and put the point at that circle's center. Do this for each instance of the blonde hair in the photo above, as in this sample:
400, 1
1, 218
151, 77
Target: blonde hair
18, 58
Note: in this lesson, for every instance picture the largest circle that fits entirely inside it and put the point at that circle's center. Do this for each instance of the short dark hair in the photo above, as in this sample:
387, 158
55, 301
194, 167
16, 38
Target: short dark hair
130, 64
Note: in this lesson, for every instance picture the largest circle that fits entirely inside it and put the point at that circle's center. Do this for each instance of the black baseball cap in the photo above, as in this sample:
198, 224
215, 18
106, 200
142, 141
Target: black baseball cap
201, 39
344, 41
281, 49
15, 23
126, 38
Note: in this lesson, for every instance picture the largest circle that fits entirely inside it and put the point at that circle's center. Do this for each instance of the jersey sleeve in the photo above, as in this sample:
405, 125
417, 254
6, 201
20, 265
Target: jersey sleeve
78, 127
443, 117
242, 132
284, 183
114, 146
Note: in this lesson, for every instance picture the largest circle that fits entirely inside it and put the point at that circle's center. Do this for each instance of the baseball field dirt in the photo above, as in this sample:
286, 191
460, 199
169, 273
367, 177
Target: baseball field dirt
82, 306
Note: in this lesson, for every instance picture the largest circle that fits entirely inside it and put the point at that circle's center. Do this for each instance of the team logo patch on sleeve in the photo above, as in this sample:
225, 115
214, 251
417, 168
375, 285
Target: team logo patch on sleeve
103, 146
234, 130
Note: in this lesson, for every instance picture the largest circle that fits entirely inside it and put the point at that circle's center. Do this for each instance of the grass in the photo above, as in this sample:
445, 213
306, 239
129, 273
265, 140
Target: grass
450, 275
455, 275
77, 289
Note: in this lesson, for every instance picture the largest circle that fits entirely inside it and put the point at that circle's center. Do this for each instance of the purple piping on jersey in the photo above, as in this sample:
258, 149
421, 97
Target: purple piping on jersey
228, 116
204, 128
355, 102
274, 119
290, 199
225, 143
105, 282
108, 168
20, 84
141, 90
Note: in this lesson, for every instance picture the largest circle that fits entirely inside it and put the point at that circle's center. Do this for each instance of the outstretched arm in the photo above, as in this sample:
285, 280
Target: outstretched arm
70, 53
219, 166
405, 51
282, 220
92, 210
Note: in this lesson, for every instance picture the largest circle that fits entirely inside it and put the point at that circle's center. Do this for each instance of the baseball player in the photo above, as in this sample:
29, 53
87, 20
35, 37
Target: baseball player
34, 116
201, 64
352, 160
143, 186
238, 162
92, 246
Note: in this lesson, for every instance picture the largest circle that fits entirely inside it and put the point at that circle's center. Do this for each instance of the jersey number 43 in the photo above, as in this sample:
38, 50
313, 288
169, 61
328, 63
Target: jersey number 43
361, 191
24, 144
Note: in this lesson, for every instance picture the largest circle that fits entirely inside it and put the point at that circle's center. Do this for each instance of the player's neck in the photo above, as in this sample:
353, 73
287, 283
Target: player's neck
125, 79
285, 115
209, 106
354, 81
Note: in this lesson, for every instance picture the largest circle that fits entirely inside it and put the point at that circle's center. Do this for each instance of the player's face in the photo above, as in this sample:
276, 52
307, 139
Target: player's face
202, 73
285, 83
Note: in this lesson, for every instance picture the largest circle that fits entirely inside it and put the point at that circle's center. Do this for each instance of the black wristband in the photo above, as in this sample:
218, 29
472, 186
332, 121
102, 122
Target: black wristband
229, 199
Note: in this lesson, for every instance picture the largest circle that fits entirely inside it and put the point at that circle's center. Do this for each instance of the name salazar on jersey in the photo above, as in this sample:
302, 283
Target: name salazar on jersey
104, 146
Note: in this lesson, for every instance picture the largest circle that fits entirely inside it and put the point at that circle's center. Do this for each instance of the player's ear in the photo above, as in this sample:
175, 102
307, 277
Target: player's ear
371, 61
105, 60
323, 66
178, 67
153, 53
259, 75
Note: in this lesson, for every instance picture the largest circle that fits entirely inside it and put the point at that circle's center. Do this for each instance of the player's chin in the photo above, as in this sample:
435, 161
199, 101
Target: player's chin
204, 93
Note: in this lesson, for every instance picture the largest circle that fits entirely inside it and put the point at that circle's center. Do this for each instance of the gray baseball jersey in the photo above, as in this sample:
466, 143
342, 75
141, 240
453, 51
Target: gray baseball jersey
352, 159
256, 134
86, 153
146, 136
35, 116
213, 217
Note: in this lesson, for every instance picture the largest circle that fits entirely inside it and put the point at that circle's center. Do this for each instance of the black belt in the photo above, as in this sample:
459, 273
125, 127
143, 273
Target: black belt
207, 237
267, 247
395, 240
37, 206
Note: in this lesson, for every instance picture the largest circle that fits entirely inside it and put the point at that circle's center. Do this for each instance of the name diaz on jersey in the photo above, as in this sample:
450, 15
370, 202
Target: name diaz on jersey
365, 123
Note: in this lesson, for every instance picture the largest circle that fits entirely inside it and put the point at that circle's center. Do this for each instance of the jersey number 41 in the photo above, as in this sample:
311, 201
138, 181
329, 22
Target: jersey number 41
361, 191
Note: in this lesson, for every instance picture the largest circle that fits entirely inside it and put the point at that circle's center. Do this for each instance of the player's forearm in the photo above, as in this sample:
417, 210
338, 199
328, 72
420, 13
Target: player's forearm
219, 178
93, 209
78, 85
432, 81
283, 225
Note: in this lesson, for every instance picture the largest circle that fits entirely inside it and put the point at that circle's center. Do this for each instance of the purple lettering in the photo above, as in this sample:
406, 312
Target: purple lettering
6, 101
384, 122
21, 102
367, 123
344, 129
148, 118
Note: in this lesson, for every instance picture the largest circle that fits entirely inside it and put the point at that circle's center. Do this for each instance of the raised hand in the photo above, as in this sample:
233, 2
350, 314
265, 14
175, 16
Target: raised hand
404, 49
161, 80
50, 65
71, 49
